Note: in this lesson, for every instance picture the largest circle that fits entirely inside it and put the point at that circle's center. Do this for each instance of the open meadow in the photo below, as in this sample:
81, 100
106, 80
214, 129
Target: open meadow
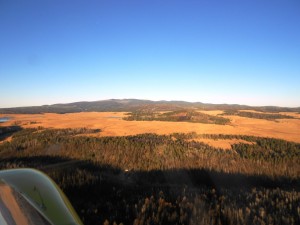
113, 124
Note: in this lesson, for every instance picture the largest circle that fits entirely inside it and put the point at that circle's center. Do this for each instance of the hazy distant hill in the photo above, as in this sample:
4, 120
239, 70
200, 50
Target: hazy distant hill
136, 104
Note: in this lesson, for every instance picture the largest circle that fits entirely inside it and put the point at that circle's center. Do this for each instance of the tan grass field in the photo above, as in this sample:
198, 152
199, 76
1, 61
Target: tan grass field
211, 112
222, 143
112, 124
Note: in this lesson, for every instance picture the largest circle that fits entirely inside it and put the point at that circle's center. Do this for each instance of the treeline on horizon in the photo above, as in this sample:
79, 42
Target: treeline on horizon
131, 105
164, 179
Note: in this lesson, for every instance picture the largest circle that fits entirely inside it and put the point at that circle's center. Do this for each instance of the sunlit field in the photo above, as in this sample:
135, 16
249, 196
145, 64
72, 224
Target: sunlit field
112, 124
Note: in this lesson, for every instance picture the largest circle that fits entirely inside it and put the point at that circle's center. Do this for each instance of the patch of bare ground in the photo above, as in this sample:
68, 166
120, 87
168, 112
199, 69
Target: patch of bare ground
221, 143
112, 124
254, 111
212, 112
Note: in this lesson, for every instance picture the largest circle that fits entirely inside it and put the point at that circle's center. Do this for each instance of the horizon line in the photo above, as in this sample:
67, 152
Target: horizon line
161, 100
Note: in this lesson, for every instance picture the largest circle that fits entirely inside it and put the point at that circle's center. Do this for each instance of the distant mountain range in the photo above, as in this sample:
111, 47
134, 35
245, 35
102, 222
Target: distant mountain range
118, 105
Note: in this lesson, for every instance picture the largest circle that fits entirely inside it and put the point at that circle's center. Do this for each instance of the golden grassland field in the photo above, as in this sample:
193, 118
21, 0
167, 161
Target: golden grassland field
112, 124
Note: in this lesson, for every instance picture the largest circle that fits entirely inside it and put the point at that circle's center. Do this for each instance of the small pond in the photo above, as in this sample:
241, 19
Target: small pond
4, 119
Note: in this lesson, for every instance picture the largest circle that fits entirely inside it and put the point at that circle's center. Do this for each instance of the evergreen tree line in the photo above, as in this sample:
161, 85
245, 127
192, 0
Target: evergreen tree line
256, 115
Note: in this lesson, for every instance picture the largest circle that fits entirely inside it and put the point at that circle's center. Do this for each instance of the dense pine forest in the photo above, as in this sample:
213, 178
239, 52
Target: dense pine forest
163, 179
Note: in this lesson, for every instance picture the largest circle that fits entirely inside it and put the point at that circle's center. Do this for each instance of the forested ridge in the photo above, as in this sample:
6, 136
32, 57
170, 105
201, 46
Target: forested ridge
177, 116
164, 179
257, 115
131, 105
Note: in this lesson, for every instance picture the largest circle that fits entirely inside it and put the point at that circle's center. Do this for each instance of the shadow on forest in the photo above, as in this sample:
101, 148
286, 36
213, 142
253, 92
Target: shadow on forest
6, 132
153, 178
98, 192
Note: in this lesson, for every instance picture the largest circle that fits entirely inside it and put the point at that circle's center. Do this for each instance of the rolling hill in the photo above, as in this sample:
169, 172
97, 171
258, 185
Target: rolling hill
118, 105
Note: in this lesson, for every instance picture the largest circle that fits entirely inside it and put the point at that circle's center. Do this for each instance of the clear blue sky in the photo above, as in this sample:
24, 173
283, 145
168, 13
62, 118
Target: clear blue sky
242, 51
